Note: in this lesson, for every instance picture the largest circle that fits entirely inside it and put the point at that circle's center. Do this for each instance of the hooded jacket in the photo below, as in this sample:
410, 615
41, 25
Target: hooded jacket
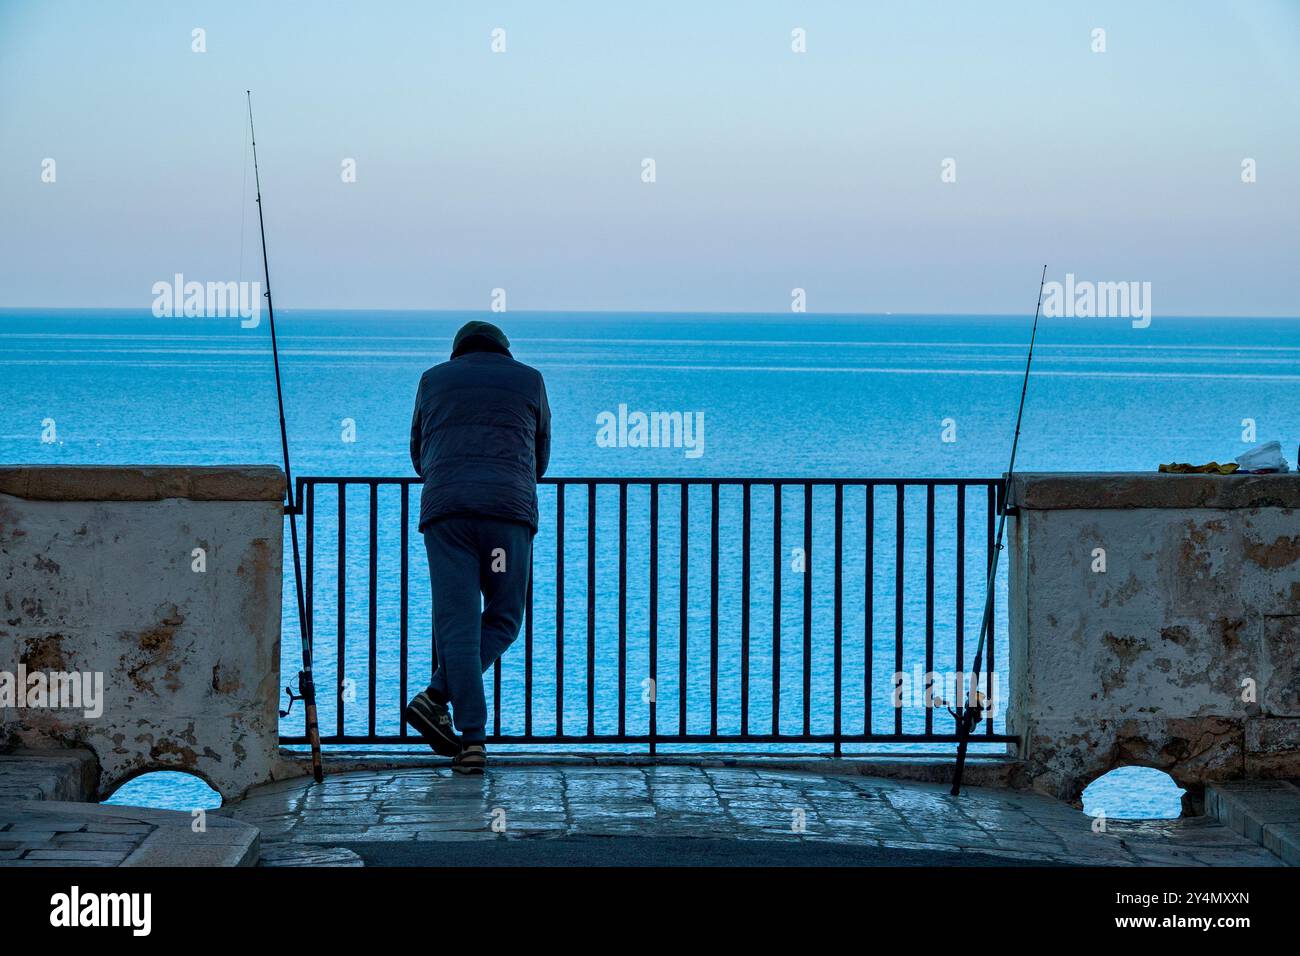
481, 436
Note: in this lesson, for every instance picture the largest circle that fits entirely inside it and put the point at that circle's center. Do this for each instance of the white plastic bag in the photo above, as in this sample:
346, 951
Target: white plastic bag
1267, 457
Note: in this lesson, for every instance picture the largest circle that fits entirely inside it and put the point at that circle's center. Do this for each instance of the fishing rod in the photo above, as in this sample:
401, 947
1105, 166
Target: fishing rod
972, 711
306, 686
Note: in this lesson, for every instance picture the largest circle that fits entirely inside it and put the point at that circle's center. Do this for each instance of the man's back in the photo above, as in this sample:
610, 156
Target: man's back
480, 438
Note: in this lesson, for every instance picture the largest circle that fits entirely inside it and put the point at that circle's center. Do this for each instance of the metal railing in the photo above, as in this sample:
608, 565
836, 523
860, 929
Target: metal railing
611, 679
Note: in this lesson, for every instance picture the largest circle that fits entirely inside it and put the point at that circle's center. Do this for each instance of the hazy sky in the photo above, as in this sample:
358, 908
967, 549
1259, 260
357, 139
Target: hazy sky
775, 169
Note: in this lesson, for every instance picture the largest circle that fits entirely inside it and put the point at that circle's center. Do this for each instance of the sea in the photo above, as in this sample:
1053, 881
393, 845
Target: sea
771, 395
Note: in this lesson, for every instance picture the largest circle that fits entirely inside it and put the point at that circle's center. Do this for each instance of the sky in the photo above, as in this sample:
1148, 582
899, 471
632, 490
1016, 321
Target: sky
774, 170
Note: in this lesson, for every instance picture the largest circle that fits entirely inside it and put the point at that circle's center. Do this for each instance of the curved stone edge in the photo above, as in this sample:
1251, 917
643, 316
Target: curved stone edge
143, 482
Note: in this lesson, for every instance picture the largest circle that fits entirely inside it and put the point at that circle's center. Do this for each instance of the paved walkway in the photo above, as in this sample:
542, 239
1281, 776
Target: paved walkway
529, 814
347, 819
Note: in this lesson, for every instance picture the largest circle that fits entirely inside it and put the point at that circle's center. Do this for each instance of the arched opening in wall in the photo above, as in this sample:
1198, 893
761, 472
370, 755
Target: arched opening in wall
1134, 793
166, 790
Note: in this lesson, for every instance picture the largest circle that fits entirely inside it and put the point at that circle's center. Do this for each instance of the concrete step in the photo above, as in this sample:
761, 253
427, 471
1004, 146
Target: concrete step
1265, 811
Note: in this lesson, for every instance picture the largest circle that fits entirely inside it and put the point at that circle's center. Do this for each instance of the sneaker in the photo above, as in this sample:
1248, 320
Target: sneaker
433, 721
472, 759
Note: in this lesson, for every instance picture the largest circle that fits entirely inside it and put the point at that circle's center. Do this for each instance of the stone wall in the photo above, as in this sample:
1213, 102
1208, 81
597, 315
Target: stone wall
100, 581
1182, 654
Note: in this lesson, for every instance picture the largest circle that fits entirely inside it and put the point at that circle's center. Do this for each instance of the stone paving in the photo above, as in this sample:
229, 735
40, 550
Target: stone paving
31, 834
60, 833
303, 823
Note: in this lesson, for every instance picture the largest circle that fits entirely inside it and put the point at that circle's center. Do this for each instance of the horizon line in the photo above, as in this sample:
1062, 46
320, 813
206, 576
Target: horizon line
567, 311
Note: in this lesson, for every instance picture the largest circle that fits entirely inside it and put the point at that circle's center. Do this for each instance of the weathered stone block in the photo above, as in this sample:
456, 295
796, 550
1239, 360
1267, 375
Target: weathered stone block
1154, 620
151, 581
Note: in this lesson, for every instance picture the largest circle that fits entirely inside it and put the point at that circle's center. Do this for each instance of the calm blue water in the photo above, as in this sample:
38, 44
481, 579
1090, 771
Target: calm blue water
782, 395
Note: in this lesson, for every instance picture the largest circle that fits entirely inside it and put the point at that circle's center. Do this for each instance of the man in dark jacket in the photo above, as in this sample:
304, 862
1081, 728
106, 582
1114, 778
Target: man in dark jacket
480, 439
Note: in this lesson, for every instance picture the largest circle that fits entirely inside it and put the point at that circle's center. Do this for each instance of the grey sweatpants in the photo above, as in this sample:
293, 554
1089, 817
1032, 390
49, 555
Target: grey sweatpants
478, 568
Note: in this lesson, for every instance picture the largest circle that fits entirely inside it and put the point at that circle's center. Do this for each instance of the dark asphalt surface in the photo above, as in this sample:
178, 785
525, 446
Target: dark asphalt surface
658, 851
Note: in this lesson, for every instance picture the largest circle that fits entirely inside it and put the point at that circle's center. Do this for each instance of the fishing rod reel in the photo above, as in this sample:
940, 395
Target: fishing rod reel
970, 715
306, 691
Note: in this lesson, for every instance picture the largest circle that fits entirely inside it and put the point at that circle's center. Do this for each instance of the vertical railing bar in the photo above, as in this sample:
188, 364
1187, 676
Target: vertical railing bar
309, 520
342, 612
559, 609
404, 603
591, 609
713, 613
869, 607
744, 611
307, 501
929, 604
683, 587
839, 609
993, 503
899, 519
653, 688
960, 624
373, 651
807, 607
528, 654
622, 609
776, 609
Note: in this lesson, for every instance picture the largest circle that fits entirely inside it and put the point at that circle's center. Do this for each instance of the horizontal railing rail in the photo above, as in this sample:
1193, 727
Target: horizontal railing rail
762, 636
